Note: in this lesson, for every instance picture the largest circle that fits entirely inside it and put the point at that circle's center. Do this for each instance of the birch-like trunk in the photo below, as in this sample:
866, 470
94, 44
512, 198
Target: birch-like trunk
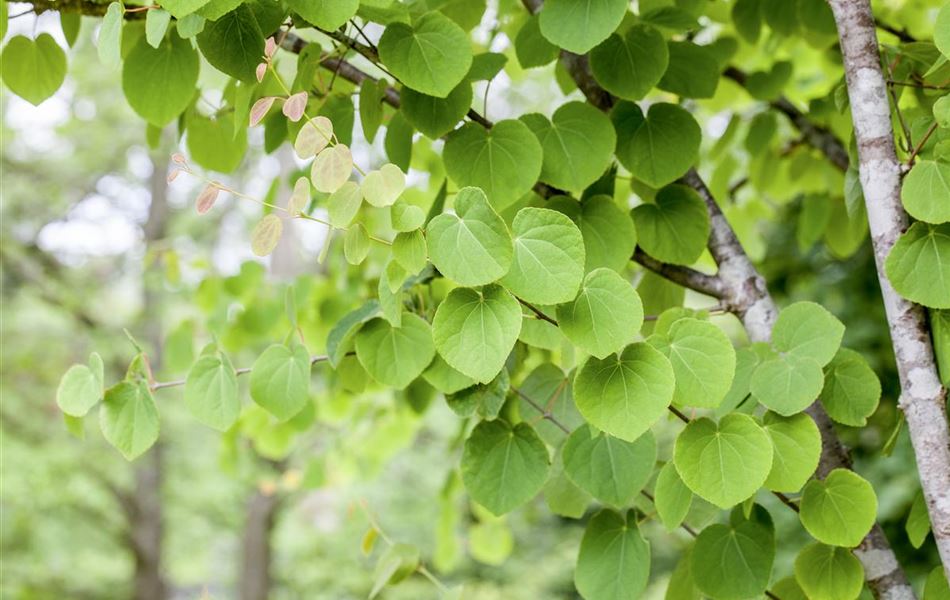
923, 399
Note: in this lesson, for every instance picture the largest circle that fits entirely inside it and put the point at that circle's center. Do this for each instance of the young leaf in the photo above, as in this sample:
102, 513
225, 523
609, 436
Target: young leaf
128, 418
919, 264
409, 250
731, 562
473, 246
579, 25
313, 136
605, 316
577, 144
548, 264
504, 161
610, 469
829, 572
406, 217
394, 356
156, 24
703, 359
383, 187
266, 234
504, 466
280, 380
79, 390
796, 449
614, 559
840, 510
475, 330
625, 394
675, 227
431, 56
331, 169
109, 44
723, 463
33, 69
206, 199
294, 106
396, 564
671, 497
211, 391
343, 204
300, 198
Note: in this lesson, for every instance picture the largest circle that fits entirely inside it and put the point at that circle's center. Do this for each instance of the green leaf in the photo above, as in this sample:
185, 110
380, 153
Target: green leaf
919, 265
343, 204
693, 71
787, 383
394, 356
471, 247
747, 18
733, 562
435, 116
156, 24
504, 161
578, 144
331, 169
664, 146
563, 497
280, 380
340, 337
614, 559
486, 66
936, 588
829, 572
781, 16
109, 44
624, 395
159, 83
796, 449
33, 69
409, 250
548, 264
918, 521
703, 359
605, 316
675, 227
548, 390
382, 187
432, 56
852, 390
372, 95
325, 14
532, 48
398, 142
484, 399
128, 418
444, 378
723, 463
629, 66
840, 510
475, 329
182, 8
806, 329
190, 26
503, 466
211, 391
671, 497
212, 144
405, 217
579, 25
79, 390
926, 191
610, 469
356, 244
398, 562
942, 34
609, 234
234, 43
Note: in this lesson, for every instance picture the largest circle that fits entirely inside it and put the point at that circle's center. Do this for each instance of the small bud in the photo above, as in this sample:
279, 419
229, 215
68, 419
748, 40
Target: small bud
295, 105
173, 175
206, 198
270, 47
261, 71
260, 109
179, 158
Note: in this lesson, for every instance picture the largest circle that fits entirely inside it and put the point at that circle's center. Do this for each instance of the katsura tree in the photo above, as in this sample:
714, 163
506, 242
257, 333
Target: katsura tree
532, 269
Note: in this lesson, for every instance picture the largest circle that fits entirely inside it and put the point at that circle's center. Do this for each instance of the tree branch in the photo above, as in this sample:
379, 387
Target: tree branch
686, 277
923, 399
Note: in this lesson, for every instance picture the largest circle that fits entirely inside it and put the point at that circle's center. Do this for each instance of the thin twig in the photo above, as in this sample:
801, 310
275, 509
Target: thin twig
920, 146
159, 385
537, 312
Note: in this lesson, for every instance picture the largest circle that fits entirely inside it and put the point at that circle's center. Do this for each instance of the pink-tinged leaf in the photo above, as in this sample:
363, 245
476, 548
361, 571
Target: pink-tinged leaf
301, 196
270, 47
260, 109
179, 158
261, 71
173, 175
331, 169
207, 198
313, 137
295, 106
266, 234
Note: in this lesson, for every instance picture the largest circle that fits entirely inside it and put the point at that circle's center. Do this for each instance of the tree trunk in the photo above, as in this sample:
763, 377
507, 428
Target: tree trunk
255, 579
923, 399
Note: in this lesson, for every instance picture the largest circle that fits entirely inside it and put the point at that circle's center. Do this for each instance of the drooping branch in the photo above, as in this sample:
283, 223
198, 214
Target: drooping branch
923, 399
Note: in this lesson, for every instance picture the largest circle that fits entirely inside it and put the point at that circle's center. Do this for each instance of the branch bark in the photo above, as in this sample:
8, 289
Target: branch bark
923, 399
